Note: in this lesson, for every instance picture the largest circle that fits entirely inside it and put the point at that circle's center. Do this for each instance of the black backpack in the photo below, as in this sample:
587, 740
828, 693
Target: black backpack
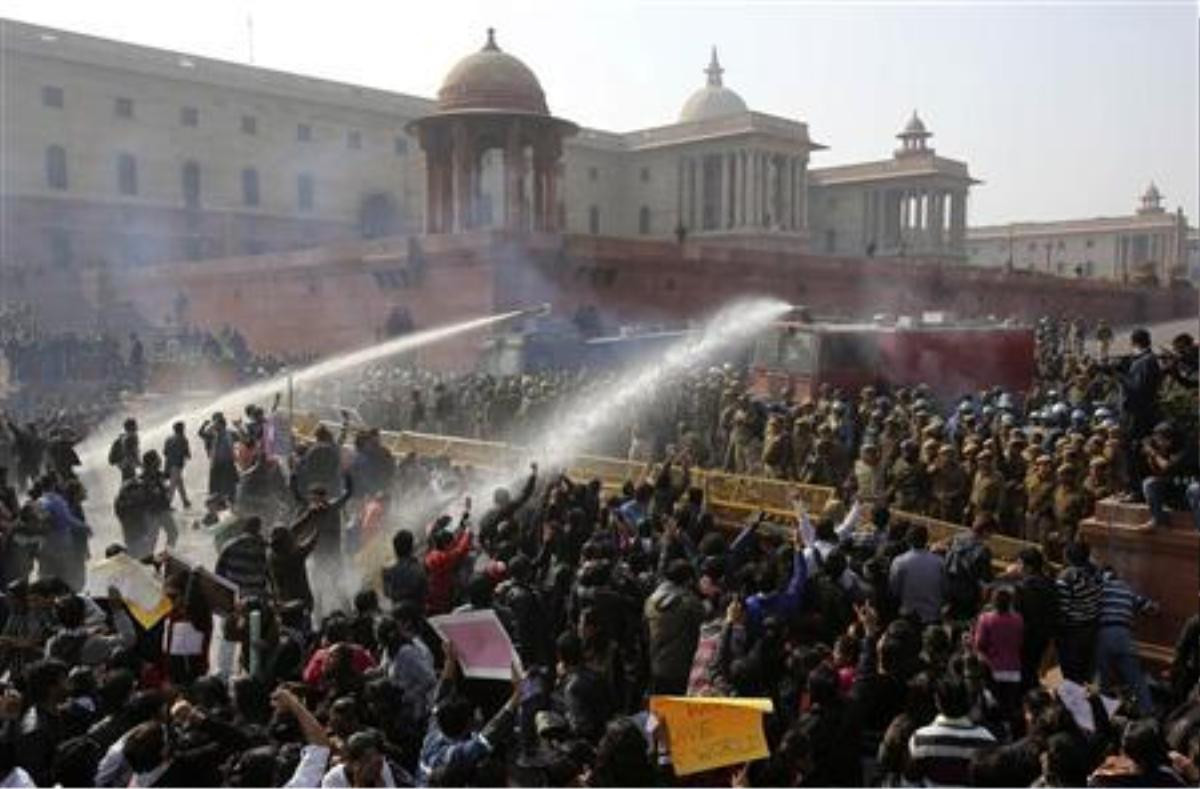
116, 452
962, 575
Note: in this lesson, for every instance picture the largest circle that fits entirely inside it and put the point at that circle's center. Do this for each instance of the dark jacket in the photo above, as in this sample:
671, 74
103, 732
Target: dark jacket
287, 572
673, 616
406, 580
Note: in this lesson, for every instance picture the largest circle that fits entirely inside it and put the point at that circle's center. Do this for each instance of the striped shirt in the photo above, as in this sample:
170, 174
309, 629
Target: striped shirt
244, 562
942, 751
1079, 595
1119, 603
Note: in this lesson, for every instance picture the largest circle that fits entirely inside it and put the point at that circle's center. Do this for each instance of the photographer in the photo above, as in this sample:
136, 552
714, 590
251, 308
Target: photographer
1140, 378
1172, 474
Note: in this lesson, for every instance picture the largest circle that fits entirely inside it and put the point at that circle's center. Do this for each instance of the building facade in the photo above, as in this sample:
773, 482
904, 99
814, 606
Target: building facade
1147, 246
117, 155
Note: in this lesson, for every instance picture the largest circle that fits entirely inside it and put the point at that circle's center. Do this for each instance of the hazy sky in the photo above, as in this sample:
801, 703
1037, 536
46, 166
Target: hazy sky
1064, 110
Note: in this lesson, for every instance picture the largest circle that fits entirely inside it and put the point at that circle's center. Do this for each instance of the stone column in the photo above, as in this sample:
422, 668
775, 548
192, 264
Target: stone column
461, 163
691, 192
552, 160
881, 219
514, 165
747, 189
958, 221
765, 218
751, 188
802, 196
432, 182
729, 186
681, 177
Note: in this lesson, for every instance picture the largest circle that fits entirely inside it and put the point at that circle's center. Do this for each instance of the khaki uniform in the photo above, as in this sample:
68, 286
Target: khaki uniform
777, 452
909, 488
1070, 507
948, 485
987, 492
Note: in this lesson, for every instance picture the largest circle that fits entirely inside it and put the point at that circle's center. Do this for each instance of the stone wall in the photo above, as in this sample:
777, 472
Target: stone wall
336, 297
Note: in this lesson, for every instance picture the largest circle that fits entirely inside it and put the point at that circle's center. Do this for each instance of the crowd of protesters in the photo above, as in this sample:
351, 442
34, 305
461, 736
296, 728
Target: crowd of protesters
889, 660
73, 367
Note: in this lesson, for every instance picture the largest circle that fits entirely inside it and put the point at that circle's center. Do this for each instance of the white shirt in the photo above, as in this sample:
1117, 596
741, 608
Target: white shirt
309, 772
17, 779
337, 777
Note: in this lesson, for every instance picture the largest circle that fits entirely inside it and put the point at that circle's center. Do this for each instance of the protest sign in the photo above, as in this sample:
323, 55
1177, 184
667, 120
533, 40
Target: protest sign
139, 585
705, 733
484, 648
220, 593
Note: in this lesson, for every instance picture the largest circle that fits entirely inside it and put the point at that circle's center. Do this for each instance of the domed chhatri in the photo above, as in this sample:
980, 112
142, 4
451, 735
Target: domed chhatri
491, 101
914, 137
1151, 200
714, 100
915, 126
491, 80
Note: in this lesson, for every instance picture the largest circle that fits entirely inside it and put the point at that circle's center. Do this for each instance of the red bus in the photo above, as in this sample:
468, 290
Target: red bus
793, 359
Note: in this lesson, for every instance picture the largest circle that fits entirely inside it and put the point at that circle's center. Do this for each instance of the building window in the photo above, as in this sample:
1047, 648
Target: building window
1061, 245
305, 195
123, 107
249, 124
127, 174
593, 174
1032, 246
191, 184
594, 220
250, 186
830, 241
645, 175
401, 146
303, 133
59, 241
644, 221
56, 167
354, 140
52, 96
1090, 243
189, 116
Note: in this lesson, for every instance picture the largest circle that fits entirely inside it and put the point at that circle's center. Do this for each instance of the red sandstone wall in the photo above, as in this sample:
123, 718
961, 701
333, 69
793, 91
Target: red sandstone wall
329, 299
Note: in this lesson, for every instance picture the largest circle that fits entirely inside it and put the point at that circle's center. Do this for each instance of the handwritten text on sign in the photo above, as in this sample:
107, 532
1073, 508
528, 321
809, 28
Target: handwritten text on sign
705, 733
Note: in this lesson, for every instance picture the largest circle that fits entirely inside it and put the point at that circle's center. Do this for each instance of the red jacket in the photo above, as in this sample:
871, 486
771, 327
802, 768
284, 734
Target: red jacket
440, 567
314, 671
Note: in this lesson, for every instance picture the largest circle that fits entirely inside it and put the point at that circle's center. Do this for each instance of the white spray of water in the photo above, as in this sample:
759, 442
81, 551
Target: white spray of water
581, 419
94, 452
575, 425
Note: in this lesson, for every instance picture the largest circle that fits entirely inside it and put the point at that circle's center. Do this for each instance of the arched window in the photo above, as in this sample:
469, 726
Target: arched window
127, 174
191, 184
250, 186
56, 167
644, 220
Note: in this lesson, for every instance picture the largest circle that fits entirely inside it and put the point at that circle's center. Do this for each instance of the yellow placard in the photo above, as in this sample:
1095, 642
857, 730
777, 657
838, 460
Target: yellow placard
148, 619
705, 733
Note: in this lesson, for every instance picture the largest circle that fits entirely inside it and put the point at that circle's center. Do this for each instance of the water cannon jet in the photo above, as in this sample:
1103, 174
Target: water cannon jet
536, 311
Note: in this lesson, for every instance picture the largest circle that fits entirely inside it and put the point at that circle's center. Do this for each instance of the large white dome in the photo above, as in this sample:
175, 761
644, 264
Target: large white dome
714, 100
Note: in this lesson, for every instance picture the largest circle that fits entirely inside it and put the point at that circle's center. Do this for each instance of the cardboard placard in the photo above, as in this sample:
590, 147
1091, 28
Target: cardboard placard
484, 649
220, 593
705, 733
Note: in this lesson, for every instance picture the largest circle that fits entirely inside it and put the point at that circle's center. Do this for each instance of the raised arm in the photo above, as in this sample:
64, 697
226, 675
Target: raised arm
806, 531
846, 527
